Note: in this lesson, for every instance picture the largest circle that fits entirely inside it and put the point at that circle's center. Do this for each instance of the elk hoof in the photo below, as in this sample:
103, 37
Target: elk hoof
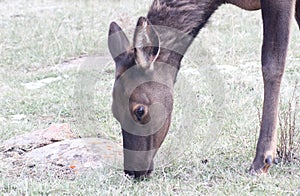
259, 169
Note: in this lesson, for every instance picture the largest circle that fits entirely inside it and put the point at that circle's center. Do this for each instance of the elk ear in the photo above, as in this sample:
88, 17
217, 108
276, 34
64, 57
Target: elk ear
117, 41
146, 43
119, 48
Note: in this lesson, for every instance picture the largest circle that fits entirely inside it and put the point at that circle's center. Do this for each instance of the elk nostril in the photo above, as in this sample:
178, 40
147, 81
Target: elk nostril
139, 112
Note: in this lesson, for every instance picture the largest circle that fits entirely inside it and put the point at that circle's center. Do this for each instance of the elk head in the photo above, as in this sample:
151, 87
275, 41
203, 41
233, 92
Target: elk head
142, 94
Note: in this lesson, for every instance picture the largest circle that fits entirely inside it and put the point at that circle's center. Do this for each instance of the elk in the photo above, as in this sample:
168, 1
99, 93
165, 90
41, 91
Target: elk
145, 73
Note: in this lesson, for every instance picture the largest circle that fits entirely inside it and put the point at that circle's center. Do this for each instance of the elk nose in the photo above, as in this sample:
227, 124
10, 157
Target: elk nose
138, 174
139, 112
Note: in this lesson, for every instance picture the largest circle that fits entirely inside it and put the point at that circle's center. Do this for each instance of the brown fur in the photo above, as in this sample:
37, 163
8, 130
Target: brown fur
155, 44
246, 4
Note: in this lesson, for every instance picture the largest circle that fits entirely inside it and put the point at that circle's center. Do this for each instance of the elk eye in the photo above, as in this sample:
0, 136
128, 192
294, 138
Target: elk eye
139, 112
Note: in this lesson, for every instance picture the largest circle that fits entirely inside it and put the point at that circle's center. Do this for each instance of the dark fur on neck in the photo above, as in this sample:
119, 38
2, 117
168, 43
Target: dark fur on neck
184, 18
188, 16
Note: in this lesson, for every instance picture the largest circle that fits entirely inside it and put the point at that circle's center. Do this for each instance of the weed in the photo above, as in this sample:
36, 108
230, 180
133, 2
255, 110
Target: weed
289, 131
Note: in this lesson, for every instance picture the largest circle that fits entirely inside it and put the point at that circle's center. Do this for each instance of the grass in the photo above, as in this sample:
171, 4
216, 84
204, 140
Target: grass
211, 142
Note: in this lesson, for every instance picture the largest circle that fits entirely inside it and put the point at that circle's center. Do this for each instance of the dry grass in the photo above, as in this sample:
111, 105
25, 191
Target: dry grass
220, 84
289, 131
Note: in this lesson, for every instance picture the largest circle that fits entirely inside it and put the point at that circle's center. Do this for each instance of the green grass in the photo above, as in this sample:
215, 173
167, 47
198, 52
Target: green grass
212, 139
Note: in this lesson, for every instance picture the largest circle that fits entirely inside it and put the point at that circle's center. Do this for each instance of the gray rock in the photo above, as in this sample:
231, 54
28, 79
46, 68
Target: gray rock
55, 151
36, 139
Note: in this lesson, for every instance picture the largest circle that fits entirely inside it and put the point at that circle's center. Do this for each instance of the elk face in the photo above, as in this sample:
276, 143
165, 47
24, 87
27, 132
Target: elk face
142, 95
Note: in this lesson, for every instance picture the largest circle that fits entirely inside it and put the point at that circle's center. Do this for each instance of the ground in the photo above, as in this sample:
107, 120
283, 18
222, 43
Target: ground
44, 79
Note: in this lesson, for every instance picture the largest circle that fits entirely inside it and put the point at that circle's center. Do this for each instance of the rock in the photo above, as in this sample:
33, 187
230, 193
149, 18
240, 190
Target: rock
55, 151
78, 154
36, 139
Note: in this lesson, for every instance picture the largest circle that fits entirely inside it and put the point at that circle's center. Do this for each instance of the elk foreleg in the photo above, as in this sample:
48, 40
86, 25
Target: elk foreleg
276, 23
